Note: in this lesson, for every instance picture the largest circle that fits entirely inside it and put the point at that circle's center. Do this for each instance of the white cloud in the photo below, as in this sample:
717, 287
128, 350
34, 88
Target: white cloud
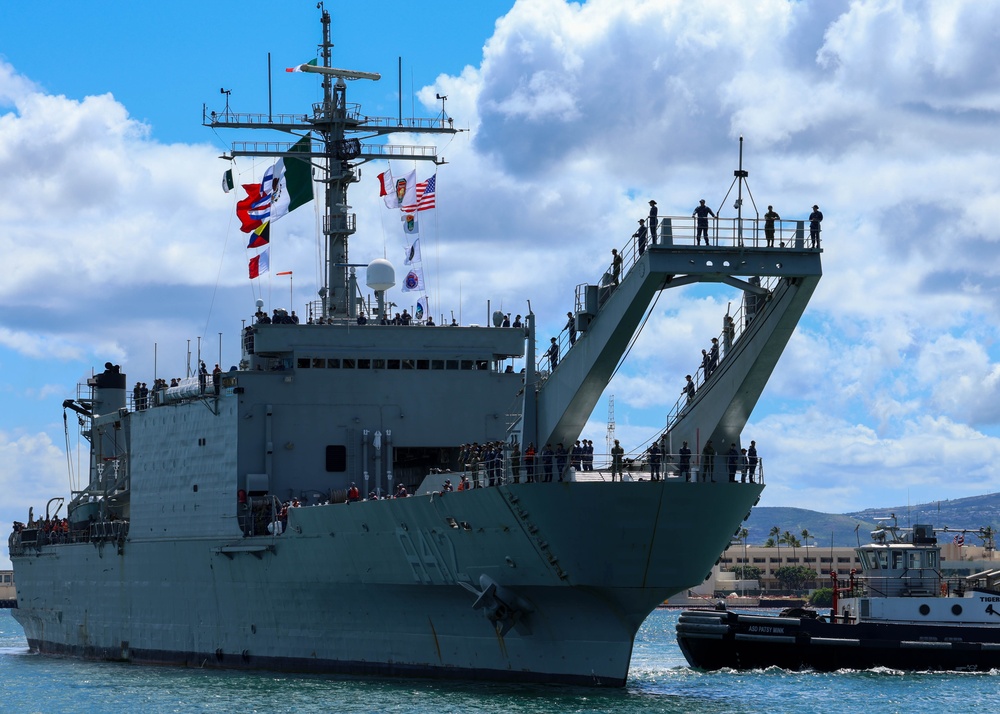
34, 470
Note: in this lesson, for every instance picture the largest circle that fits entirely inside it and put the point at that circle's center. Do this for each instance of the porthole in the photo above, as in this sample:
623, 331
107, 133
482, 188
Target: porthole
956, 609
925, 609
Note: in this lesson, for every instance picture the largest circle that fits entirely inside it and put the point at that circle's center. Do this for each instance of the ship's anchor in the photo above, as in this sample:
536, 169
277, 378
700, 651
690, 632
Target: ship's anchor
501, 606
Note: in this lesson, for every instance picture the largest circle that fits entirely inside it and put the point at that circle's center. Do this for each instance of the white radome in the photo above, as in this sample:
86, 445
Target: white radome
380, 274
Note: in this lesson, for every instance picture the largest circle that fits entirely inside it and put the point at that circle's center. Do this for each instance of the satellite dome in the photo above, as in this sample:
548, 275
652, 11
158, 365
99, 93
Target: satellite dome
380, 274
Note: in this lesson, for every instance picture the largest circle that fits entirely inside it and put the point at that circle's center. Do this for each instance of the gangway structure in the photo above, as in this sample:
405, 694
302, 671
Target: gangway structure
777, 281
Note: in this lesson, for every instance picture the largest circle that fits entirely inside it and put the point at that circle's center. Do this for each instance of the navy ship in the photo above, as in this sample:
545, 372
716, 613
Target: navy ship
247, 518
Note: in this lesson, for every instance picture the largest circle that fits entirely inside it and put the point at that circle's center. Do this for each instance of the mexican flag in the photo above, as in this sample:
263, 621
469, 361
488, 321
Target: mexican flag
289, 181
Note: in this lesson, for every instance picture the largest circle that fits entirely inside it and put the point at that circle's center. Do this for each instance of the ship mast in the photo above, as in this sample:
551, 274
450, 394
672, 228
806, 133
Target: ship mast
339, 134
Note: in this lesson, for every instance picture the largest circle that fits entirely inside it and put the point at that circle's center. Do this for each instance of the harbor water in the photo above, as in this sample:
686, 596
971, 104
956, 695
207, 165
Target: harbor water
659, 681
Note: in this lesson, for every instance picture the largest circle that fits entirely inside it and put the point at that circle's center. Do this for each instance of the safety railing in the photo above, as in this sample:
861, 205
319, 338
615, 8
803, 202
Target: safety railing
681, 232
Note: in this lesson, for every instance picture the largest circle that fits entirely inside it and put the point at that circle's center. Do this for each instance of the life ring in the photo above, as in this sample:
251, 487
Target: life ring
959, 539
944, 589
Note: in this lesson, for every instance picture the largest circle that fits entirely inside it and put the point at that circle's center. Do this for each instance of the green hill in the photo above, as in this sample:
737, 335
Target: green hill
845, 529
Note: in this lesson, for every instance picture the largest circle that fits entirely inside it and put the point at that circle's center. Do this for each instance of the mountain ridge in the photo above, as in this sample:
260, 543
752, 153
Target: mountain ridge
853, 528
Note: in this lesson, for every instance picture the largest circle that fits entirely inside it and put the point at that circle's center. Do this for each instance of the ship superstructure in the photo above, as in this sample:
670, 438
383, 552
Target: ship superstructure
181, 548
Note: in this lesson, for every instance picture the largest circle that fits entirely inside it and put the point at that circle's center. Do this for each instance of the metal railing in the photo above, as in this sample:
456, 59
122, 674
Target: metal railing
680, 232
37, 536
598, 467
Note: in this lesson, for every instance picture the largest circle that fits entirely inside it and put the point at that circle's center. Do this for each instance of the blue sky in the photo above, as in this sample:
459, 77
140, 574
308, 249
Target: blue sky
120, 245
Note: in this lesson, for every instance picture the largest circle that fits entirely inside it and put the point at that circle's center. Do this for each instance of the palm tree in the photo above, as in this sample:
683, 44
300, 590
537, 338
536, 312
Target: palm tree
741, 535
806, 535
791, 541
776, 537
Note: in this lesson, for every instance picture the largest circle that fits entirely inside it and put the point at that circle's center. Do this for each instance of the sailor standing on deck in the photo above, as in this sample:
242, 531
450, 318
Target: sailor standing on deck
640, 236
553, 354
689, 389
769, 218
571, 328
617, 454
702, 212
708, 462
547, 463
561, 455
653, 222
529, 462
732, 463
684, 463
815, 218
654, 461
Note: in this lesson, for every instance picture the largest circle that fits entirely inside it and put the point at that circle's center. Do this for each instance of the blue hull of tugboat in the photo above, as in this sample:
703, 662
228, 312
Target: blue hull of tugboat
712, 640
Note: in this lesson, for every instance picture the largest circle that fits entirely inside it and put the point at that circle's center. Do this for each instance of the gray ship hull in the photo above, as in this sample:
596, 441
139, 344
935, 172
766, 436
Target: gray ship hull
377, 587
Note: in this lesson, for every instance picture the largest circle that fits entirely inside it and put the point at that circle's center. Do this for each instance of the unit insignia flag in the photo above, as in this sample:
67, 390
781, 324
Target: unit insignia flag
260, 263
410, 224
227, 181
414, 281
421, 308
412, 253
398, 192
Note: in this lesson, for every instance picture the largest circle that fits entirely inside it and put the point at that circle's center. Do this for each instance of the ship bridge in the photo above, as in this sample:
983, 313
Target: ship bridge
776, 280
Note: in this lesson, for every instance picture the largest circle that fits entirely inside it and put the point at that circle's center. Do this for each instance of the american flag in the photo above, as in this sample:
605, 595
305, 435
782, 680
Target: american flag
425, 195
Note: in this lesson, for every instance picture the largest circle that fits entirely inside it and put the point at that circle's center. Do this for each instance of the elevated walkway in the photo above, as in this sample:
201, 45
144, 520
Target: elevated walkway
609, 316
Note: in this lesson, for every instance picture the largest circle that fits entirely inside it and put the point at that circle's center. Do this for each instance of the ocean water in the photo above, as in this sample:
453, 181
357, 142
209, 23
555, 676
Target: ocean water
660, 681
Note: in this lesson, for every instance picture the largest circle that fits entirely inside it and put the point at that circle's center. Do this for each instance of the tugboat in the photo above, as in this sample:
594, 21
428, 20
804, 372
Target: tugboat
899, 612
298, 511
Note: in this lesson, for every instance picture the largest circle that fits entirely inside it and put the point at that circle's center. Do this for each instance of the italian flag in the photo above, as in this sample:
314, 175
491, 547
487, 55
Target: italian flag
298, 68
